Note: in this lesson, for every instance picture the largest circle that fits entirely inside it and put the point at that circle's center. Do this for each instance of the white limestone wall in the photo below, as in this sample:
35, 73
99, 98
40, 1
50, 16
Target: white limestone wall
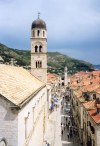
43, 33
48, 97
98, 96
31, 119
39, 41
39, 57
97, 137
41, 74
8, 123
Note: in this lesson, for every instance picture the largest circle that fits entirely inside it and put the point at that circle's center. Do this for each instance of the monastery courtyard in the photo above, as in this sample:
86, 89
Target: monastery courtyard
56, 124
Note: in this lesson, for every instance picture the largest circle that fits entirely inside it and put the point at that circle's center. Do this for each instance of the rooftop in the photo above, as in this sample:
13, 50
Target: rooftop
17, 84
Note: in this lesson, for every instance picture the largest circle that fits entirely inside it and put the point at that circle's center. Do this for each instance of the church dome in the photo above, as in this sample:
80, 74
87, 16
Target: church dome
38, 23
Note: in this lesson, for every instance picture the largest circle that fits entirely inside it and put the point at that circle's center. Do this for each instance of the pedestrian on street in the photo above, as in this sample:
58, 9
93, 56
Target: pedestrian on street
66, 119
64, 127
68, 135
48, 144
62, 132
56, 107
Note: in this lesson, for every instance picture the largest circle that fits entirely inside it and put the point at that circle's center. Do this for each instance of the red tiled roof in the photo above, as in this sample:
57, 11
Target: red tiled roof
97, 90
90, 87
89, 104
94, 115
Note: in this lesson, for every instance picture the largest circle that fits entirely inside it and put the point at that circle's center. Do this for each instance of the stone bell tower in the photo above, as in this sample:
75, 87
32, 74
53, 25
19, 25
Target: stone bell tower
39, 49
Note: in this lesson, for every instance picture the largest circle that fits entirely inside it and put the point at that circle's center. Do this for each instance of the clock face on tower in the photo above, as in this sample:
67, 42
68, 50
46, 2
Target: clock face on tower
2, 143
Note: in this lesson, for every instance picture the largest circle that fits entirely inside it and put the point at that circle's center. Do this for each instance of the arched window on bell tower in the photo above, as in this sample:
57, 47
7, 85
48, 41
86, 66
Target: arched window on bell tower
36, 64
38, 33
33, 33
36, 48
40, 64
43, 33
40, 48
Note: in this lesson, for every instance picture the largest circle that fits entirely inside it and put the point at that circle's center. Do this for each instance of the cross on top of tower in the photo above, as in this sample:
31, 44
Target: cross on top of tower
38, 15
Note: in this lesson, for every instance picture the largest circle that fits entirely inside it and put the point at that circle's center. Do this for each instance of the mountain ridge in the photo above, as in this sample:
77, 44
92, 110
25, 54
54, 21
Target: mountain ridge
56, 61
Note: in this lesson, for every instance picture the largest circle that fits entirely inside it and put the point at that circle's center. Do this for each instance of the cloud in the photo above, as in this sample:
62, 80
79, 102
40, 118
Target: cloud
73, 24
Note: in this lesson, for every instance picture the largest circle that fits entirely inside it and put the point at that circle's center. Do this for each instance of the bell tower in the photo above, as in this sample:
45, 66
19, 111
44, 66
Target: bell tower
65, 77
39, 49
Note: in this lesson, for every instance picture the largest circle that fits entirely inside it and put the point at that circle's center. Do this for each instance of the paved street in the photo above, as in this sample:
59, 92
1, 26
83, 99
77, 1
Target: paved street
57, 124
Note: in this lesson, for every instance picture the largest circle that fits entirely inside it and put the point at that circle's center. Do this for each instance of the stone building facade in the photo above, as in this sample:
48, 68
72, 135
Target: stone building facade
23, 107
85, 107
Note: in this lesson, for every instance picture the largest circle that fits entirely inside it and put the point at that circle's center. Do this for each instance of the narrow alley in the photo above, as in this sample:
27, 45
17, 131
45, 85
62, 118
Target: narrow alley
59, 130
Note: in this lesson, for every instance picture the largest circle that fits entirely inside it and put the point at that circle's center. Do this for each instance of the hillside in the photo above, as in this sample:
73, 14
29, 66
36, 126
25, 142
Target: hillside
56, 60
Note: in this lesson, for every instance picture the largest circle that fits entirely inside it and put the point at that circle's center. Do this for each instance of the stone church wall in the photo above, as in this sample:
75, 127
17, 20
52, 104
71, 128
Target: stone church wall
31, 121
8, 123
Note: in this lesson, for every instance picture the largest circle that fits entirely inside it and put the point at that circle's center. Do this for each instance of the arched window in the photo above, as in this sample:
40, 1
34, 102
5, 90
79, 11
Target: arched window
40, 48
38, 33
33, 33
36, 48
40, 64
43, 33
36, 64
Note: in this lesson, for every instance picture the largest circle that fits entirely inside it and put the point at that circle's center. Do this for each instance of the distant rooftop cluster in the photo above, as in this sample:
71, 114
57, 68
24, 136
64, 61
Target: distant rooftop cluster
86, 88
52, 78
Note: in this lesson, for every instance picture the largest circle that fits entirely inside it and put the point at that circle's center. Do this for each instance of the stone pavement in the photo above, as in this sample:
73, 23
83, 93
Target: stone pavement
53, 130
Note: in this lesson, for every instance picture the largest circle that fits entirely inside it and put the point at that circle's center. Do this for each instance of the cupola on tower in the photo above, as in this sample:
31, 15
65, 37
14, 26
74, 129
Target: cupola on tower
39, 49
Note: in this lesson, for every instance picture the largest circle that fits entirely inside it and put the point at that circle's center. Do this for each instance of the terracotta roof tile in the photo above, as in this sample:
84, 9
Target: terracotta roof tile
94, 115
89, 104
97, 90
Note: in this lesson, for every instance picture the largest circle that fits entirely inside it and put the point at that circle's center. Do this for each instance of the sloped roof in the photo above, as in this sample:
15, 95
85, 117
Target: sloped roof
97, 90
94, 115
89, 105
17, 84
90, 87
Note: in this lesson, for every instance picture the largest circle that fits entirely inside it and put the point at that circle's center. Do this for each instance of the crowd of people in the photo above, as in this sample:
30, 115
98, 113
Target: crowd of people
67, 126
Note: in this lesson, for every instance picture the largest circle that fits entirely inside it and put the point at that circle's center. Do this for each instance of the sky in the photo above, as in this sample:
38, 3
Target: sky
73, 26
